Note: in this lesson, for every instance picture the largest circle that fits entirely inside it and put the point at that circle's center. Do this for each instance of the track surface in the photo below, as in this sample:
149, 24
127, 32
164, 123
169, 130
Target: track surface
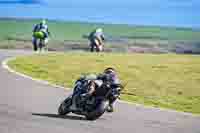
27, 106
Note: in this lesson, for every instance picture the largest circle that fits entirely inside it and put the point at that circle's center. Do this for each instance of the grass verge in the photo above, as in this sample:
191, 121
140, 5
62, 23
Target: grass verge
167, 80
17, 33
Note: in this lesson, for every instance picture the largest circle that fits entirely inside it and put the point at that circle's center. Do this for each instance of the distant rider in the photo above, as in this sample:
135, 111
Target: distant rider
108, 77
43, 28
96, 38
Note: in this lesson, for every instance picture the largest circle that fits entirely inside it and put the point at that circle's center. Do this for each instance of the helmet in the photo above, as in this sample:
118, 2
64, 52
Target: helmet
43, 22
109, 70
99, 30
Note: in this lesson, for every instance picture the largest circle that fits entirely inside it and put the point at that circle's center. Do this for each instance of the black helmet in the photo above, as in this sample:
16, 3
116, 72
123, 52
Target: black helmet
109, 70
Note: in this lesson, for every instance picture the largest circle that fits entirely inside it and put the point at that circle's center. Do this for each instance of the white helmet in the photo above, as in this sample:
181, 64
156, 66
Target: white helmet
43, 22
99, 30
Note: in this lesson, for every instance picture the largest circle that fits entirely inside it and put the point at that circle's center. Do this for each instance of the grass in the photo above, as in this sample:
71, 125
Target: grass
167, 80
17, 28
67, 35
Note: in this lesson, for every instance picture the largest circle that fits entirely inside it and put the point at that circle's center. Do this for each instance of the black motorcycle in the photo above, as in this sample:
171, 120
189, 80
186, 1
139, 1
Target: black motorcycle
91, 107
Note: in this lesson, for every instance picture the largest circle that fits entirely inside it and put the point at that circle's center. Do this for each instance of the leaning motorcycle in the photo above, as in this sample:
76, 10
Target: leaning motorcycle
91, 107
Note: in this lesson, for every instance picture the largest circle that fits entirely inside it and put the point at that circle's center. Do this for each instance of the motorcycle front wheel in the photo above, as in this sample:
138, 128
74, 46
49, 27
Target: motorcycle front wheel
64, 106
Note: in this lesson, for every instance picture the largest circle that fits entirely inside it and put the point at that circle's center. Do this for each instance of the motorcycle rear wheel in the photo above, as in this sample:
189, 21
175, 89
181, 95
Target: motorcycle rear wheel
98, 112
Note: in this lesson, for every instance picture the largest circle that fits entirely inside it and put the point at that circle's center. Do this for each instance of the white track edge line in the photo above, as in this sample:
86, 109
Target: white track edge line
5, 66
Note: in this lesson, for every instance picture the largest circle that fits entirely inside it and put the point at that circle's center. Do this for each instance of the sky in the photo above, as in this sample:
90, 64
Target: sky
182, 13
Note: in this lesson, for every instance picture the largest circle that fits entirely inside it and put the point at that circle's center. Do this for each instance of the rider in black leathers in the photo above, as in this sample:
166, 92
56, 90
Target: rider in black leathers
94, 83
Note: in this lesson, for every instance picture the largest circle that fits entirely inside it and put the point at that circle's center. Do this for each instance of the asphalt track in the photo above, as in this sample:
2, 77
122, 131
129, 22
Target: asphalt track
28, 106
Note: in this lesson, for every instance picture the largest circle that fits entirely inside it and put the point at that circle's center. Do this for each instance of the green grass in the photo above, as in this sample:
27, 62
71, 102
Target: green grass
167, 80
75, 30
66, 35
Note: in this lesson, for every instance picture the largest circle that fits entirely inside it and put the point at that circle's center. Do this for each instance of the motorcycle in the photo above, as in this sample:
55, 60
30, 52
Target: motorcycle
40, 41
91, 107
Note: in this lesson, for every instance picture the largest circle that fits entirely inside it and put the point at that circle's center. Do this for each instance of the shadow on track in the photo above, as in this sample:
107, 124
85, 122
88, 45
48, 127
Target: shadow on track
70, 117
